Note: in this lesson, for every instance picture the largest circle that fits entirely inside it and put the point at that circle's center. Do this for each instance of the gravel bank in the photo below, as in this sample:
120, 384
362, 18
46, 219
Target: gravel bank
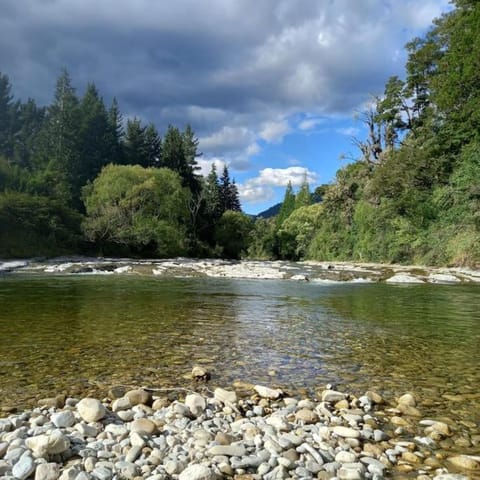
255, 433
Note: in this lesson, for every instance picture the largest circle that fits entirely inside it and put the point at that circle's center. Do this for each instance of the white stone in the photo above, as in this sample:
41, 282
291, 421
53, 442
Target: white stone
122, 403
64, 419
346, 432
442, 278
38, 445
47, 471
269, 393
227, 450
91, 409
196, 404
345, 457
404, 278
332, 396
197, 472
24, 467
225, 396
57, 442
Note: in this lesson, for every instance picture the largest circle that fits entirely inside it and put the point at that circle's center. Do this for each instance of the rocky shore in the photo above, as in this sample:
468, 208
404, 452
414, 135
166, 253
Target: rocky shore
322, 272
247, 433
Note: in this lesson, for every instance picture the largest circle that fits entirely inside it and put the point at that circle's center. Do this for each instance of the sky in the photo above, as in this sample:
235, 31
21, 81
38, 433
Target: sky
272, 88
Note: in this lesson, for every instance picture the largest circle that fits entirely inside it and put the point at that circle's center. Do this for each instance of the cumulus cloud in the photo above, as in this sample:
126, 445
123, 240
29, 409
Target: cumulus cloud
236, 78
261, 188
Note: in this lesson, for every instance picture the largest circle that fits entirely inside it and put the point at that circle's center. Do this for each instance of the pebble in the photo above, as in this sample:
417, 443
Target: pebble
219, 436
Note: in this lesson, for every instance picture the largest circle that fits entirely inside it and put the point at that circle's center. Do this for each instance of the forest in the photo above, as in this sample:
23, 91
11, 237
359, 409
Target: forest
75, 177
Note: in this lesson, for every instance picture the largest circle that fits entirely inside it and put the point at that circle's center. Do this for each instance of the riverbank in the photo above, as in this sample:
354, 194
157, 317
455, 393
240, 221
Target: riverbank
247, 433
322, 272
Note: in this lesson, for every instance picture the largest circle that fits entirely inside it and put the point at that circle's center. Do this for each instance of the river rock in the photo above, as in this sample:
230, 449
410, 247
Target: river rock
306, 416
346, 432
404, 278
266, 392
120, 404
200, 373
227, 450
225, 396
197, 472
407, 399
195, 403
64, 419
139, 396
57, 442
465, 462
47, 471
332, 396
24, 467
143, 425
91, 409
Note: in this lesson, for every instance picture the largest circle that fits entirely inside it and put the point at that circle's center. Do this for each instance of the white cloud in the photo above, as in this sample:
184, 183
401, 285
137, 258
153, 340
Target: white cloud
349, 131
227, 138
260, 188
255, 193
205, 165
274, 131
310, 123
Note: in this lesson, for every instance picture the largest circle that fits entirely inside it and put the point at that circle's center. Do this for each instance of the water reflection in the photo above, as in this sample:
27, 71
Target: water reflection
85, 332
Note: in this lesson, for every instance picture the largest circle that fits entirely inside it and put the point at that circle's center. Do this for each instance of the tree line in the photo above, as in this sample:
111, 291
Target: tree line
413, 195
75, 177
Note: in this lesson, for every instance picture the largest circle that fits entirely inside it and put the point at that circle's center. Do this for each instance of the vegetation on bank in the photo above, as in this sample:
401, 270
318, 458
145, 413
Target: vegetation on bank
76, 178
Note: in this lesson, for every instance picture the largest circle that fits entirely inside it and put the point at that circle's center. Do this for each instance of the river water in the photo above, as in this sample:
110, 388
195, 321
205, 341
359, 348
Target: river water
78, 334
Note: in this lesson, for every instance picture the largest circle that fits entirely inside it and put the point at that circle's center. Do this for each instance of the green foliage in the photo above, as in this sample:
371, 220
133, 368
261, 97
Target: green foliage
229, 199
298, 230
233, 232
34, 225
263, 242
144, 209
288, 205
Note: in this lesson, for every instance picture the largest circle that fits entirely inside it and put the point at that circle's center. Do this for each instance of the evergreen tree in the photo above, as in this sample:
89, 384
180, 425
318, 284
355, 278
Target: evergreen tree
5, 116
303, 197
211, 194
58, 154
153, 146
288, 205
93, 137
115, 134
135, 146
229, 199
190, 149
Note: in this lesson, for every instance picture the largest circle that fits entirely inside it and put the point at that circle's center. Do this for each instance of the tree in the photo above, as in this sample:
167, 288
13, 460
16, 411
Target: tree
303, 197
58, 154
288, 204
153, 146
143, 209
93, 138
5, 116
233, 233
135, 146
190, 149
115, 134
229, 198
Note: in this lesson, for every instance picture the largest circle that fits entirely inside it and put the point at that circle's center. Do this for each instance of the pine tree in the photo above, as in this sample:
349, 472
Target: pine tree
116, 134
5, 116
303, 197
229, 199
58, 155
93, 137
234, 199
288, 205
211, 194
153, 146
135, 147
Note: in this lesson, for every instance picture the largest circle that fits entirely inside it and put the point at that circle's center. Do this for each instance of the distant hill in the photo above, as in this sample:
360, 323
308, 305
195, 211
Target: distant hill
270, 212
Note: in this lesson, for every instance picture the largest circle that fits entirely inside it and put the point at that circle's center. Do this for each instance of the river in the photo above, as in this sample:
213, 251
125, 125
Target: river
78, 334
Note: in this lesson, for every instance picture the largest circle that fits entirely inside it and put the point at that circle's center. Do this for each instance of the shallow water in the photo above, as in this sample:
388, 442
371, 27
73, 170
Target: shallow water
81, 334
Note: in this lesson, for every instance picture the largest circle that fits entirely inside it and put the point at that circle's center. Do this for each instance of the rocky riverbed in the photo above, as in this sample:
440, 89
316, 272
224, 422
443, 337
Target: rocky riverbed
325, 272
243, 433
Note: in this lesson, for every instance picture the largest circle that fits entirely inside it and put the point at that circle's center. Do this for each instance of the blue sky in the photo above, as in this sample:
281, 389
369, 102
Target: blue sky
270, 87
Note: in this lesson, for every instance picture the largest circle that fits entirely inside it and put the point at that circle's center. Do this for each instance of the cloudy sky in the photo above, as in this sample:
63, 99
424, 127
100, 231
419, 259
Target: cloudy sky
270, 87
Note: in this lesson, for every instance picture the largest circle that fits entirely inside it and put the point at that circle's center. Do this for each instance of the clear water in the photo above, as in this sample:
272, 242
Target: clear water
82, 334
